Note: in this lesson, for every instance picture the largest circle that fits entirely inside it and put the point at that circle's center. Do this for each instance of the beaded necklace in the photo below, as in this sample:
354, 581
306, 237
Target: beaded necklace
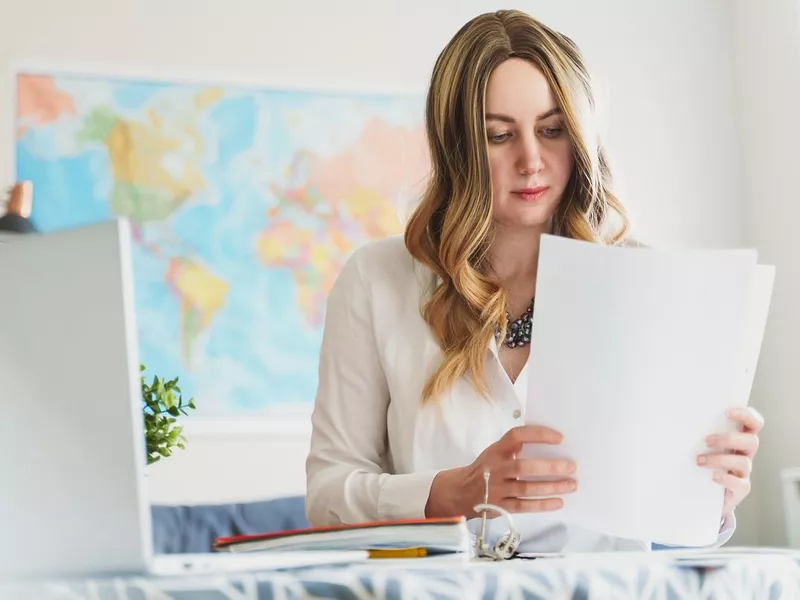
518, 331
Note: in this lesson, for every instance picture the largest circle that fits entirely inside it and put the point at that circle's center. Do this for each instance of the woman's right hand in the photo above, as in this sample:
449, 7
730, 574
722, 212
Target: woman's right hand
457, 491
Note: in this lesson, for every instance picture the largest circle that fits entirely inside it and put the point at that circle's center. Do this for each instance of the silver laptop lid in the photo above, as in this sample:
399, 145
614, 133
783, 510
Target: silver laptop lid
72, 452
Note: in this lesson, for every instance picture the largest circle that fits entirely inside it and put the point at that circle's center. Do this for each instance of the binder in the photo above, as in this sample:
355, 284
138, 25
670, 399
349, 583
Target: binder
424, 536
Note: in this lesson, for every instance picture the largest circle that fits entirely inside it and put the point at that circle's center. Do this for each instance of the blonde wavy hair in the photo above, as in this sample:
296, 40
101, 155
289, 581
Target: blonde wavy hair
451, 230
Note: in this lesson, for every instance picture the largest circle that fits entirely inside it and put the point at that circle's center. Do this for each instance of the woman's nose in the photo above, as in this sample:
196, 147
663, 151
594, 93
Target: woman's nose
530, 160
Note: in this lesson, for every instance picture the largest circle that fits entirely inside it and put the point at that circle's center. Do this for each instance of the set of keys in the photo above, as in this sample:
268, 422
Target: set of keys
507, 545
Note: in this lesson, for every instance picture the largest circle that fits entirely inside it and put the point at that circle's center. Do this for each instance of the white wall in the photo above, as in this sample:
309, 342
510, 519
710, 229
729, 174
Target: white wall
768, 89
670, 102
231, 467
665, 66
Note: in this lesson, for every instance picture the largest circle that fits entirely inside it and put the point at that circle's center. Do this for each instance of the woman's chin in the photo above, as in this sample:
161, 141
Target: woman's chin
541, 222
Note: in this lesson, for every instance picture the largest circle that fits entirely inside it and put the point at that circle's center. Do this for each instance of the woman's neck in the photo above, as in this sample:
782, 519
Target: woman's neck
514, 259
514, 255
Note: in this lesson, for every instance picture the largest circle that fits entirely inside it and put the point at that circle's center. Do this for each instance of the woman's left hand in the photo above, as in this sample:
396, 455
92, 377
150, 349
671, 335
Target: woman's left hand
731, 456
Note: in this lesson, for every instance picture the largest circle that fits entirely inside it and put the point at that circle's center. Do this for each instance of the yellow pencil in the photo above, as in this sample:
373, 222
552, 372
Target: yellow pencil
399, 553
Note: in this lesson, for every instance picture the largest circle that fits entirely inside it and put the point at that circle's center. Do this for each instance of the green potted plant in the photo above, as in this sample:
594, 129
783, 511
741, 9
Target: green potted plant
162, 404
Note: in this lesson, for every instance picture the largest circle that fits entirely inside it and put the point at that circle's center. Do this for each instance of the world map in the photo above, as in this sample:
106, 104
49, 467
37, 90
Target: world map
244, 203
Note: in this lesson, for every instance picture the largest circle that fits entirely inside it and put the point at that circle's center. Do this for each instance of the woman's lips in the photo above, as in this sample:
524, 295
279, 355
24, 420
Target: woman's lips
531, 194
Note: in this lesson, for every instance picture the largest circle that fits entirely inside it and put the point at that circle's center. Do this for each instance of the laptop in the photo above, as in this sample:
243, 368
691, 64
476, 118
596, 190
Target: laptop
73, 498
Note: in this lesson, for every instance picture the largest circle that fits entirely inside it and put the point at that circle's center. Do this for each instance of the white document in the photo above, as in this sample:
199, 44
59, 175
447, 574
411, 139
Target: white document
683, 557
759, 299
636, 354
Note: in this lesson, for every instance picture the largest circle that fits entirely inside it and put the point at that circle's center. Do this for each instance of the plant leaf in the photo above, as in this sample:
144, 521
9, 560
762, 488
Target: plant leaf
162, 403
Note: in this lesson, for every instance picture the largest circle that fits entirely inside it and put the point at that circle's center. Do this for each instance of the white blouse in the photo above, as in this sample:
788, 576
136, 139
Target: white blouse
375, 448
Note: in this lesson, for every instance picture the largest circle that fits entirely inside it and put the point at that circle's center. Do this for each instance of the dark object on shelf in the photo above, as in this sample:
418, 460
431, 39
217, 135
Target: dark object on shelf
18, 209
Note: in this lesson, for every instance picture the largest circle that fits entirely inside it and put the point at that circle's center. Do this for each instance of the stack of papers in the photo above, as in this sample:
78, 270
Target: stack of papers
720, 557
679, 557
635, 357
429, 536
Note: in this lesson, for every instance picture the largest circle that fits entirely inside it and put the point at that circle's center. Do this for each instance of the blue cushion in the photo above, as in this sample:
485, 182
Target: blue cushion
181, 529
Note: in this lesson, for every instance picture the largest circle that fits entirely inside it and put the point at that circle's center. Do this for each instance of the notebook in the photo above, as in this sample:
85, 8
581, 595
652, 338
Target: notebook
435, 536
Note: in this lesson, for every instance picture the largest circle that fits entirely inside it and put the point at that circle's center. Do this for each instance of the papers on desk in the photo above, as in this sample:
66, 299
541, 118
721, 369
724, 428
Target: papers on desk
720, 557
636, 354
680, 557
410, 537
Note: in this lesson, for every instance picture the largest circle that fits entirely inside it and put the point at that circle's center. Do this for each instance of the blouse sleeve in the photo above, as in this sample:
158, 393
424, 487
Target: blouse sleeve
346, 472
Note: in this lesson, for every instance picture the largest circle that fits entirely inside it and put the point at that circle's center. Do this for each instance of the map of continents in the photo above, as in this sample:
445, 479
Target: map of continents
244, 202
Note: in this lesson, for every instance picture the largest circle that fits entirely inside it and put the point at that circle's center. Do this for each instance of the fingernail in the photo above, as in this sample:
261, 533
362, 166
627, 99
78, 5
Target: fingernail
701, 460
717, 476
711, 440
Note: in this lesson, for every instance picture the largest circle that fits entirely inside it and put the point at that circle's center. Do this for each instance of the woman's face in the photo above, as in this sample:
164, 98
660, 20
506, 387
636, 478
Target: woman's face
530, 152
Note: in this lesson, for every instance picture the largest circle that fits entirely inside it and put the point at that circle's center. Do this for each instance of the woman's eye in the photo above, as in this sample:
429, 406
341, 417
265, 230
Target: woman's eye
496, 138
552, 132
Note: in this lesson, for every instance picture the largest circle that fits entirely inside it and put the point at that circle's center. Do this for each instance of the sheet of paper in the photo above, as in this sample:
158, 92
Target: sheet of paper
755, 325
635, 356
689, 558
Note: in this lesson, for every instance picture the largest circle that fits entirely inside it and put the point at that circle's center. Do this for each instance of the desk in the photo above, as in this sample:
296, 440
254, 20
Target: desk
607, 577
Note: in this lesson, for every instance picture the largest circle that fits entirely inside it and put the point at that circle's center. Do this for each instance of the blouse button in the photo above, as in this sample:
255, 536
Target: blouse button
517, 414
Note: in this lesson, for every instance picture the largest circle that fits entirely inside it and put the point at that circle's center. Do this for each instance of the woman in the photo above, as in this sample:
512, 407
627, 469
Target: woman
422, 382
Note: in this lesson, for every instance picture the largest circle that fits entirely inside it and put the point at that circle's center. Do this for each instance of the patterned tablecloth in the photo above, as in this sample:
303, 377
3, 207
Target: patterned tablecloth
758, 577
